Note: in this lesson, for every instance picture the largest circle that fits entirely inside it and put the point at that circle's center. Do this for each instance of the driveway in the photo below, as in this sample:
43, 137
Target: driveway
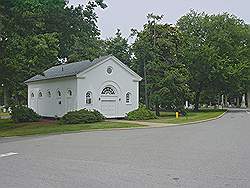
210, 154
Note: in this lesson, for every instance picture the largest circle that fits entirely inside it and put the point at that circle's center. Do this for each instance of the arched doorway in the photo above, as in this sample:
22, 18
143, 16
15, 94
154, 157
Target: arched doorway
109, 101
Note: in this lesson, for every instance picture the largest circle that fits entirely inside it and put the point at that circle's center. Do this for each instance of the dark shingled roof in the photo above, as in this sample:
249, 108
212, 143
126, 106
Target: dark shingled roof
65, 70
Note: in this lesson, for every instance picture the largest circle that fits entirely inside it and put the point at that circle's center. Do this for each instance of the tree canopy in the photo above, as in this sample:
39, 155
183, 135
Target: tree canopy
119, 47
36, 33
200, 58
216, 52
156, 51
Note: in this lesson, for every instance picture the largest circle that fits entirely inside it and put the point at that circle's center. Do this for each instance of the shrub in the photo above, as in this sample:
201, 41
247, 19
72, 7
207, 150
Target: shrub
98, 115
142, 113
23, 114
82, 116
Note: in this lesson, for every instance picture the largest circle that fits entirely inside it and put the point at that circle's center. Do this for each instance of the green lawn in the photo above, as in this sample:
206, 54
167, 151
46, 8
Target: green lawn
9, 128
4, 114
169, 117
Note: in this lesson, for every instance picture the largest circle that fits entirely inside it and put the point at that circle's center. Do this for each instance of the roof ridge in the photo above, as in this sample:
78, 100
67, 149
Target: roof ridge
68, 69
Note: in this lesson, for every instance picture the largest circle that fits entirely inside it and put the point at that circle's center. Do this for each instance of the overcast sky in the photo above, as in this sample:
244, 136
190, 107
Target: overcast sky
127, 14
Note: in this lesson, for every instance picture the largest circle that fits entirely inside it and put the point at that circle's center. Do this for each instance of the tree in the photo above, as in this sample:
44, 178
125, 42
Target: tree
35, 33
26, 49
156, 51
78, 33
119, 47
214, 51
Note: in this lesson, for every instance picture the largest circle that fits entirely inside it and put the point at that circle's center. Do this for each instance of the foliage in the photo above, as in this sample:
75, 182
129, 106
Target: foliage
215, 51
119, 47
98, 115
23, 114
34, 34
82, 116
156, 59
142, 113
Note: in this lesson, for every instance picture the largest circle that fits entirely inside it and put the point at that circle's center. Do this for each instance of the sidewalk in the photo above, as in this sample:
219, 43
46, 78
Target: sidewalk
145, 123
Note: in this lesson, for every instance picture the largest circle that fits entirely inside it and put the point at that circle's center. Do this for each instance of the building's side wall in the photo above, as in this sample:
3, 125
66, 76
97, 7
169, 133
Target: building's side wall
96, 79
54, 105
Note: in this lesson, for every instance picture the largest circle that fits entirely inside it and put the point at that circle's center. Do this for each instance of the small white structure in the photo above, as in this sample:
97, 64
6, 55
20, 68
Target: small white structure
105, 84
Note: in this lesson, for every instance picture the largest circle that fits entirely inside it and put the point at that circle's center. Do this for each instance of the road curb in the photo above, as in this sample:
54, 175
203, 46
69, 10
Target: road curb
205, 120
160, 125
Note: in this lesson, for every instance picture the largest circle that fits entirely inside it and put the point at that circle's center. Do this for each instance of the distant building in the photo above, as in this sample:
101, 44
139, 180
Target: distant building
105, 84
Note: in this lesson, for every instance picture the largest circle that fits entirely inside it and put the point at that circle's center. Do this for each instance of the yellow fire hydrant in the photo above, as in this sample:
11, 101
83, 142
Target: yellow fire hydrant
177, 114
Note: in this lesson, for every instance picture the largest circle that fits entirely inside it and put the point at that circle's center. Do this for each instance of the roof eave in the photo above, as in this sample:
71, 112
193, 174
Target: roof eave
27, 81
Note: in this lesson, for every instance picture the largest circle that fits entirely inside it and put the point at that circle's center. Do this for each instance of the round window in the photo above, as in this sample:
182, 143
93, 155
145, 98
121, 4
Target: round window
109, 70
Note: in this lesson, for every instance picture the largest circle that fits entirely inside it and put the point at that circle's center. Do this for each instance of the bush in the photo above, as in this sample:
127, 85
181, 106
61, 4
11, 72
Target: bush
82, 116
142, 113
23, 114
98, 115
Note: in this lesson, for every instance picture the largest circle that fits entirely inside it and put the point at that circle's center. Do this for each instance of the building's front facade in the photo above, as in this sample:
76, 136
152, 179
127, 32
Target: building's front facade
105, 84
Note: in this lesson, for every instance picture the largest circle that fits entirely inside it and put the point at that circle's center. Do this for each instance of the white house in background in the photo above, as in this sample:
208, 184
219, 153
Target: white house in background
105, 84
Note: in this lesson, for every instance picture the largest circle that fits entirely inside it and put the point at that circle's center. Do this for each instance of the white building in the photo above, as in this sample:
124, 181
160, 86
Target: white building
105, 84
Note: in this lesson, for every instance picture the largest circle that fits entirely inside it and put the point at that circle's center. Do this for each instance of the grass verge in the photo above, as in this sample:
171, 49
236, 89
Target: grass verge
169, 117
9, 128
4, 114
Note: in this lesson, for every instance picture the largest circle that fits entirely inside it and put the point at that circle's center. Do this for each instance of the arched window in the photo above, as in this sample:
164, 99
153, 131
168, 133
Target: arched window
32, 95
89, 97
70, 93
40, 94
128, 98
59, 94
108, 91
49, 93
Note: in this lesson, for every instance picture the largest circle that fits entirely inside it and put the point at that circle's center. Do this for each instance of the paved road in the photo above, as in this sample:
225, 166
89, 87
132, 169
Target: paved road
212, 154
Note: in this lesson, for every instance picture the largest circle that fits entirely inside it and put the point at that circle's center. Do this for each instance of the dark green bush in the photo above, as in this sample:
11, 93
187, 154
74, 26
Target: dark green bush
82, 116
23, 114
142, 113
98, 115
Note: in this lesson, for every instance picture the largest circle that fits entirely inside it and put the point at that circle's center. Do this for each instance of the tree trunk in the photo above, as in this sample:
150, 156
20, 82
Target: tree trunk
145, 85
226, 101
197, 101
5, 96
157, 109
248, 99
238, 102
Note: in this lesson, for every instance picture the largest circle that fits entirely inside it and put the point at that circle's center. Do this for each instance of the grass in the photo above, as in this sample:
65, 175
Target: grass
9, 128
169, 117
4, 114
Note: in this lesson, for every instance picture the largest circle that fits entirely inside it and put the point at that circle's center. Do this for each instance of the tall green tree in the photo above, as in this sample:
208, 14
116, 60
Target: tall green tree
215, 52
155, 54
35, 33
78, 32
119, 47
26, 49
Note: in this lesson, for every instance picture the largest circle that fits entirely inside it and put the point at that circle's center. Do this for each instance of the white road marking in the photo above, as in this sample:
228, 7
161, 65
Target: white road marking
248, 112
8, 154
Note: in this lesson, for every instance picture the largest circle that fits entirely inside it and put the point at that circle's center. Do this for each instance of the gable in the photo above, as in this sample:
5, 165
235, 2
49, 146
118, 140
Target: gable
115, 60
